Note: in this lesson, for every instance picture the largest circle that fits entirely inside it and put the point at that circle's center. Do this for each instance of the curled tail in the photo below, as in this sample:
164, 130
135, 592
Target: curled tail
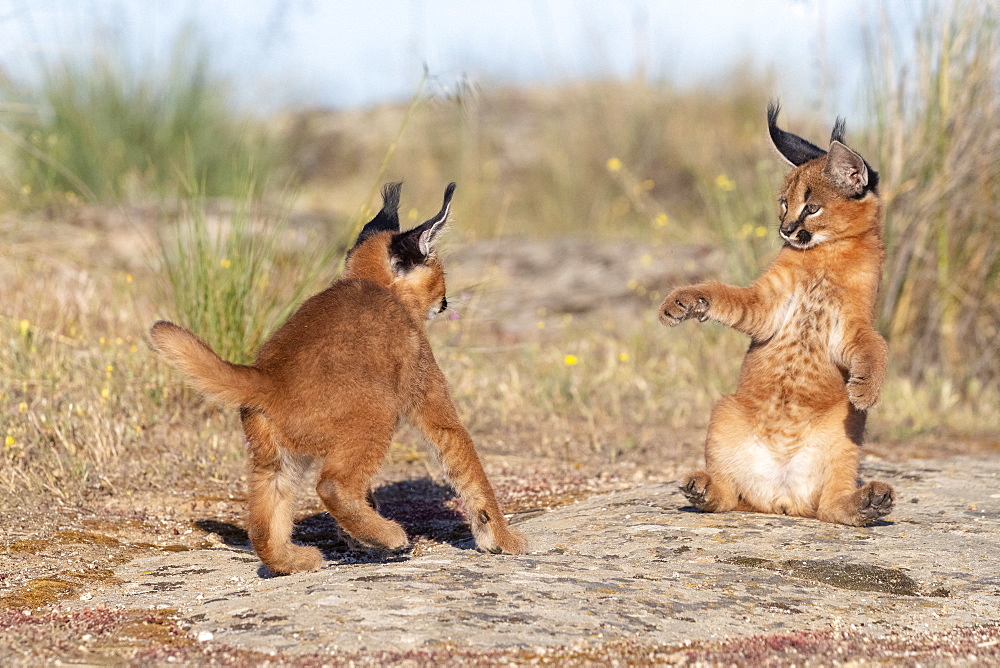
222, 381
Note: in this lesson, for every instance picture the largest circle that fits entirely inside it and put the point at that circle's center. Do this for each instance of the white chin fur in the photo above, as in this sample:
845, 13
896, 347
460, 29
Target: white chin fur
432, 311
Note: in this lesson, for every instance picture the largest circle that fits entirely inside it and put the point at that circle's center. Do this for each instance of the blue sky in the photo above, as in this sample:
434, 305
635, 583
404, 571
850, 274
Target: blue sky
337, 53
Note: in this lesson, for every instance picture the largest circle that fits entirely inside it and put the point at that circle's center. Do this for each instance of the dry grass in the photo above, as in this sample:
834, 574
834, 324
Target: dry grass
89, 410
938, 138
648, 151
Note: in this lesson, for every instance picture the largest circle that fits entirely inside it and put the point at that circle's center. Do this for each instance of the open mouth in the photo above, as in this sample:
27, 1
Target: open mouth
801, 238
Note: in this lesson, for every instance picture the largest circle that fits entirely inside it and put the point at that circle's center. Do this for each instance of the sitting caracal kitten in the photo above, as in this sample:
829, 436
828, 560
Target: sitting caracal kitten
788, 440
332, 383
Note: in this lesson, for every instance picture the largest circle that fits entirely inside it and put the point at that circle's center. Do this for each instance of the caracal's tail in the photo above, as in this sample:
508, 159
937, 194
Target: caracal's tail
222, 381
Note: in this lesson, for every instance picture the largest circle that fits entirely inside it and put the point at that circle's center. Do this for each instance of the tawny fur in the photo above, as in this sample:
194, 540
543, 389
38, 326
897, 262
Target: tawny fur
788, 440
330, 387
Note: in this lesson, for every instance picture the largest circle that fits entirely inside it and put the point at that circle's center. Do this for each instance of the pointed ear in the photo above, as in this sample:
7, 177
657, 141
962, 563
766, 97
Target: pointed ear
839, 130
794, 149
415, 246
846, 169
386, 220
435, 226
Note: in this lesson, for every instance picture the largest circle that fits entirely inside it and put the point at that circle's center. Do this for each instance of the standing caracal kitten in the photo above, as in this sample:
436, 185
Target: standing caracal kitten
788, 440
331, 385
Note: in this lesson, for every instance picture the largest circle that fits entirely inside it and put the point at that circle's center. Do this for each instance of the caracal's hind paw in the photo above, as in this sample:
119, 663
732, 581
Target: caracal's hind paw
695, 487
876, 500
295, 559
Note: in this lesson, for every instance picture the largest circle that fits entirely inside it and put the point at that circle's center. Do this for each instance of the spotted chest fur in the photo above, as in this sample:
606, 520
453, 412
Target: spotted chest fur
799, 356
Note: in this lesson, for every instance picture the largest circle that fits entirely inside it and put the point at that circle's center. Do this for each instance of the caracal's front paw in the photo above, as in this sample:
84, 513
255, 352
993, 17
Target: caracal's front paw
683, 304
695, 487
510, 541
493, 534
876, 500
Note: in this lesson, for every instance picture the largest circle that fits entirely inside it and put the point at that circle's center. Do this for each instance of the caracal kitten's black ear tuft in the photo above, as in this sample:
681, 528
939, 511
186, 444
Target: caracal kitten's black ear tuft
413, 247
846, 170
839, 130
386, 220
794, 149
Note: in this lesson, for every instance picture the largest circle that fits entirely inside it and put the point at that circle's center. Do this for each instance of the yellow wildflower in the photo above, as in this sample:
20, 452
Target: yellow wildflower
724, 183
22, 407
225, 264
623, 357
760, 231
661, 219
614, 165
25, 324
571, 360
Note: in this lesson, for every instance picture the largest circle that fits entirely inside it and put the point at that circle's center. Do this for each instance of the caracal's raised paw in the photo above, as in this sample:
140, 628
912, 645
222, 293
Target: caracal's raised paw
683, 304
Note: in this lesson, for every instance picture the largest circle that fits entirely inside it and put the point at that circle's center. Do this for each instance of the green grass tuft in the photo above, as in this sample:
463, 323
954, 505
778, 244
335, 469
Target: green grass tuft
104, 129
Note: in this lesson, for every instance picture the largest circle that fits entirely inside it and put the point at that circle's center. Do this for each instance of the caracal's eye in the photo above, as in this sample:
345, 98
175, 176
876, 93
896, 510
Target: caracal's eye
811, 209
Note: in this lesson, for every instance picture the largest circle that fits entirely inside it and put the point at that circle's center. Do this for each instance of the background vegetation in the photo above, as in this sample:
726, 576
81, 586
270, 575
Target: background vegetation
132, 195
107, 130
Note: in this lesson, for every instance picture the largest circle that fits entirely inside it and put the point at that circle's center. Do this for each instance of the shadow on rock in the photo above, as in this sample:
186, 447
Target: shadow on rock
427, 510
231, 535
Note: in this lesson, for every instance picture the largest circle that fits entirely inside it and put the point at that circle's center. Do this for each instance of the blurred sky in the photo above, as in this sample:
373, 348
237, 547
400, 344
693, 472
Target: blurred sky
338, 53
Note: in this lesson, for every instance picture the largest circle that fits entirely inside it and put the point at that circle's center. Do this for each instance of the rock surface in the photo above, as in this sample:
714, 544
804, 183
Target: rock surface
635, 564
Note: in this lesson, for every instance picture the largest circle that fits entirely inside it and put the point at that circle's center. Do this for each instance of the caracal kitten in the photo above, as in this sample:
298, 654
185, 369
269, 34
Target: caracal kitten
788, 440
331, 385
